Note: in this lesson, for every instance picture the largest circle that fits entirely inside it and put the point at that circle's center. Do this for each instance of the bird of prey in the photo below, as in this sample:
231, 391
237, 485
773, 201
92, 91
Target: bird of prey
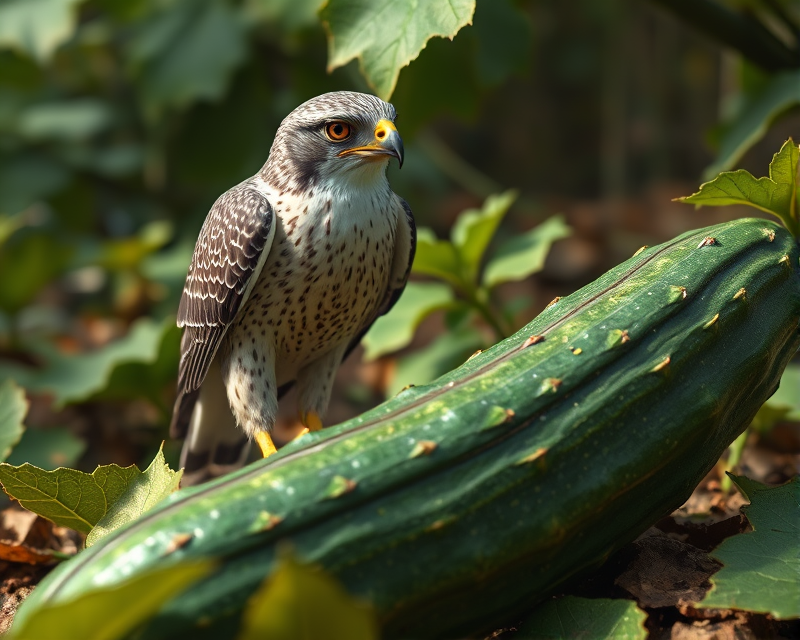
291, 268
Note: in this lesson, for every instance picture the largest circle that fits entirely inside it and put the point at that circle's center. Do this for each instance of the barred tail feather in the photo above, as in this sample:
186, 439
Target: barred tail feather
214, 444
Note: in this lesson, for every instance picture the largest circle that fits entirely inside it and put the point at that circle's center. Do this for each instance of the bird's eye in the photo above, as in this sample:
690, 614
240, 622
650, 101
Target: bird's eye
337, 131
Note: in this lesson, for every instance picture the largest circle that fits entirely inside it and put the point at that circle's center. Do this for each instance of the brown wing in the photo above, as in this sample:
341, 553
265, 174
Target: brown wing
230, 252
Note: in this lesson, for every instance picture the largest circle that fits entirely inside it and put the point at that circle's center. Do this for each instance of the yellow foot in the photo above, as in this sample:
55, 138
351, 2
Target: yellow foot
265, 443
311, 420
301, 433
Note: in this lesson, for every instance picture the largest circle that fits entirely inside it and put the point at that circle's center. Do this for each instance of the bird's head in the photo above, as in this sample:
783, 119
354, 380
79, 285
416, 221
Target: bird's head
335, 138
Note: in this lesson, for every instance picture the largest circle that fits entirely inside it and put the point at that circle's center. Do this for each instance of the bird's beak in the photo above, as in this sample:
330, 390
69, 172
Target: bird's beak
387, 142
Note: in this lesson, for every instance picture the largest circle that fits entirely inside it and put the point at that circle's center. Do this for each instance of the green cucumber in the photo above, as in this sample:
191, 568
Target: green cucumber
462, 502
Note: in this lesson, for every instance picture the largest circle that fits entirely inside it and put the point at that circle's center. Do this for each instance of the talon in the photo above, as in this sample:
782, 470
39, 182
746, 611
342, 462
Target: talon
311, 420
265, 443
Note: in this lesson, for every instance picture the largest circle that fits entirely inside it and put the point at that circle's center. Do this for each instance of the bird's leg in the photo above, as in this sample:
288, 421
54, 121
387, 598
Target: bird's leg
314, 384
311, 420
249, 376
264, 440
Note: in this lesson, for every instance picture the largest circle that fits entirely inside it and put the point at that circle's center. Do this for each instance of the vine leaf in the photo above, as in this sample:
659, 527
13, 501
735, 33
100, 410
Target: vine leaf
777, 194
279, 610
761, 567
525, 254
475, 228
571, 618
396, 329
109, 496
109, 612
145, 490
386, 35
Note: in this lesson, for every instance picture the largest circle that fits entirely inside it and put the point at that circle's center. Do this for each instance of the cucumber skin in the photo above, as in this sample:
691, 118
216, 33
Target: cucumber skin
508, 505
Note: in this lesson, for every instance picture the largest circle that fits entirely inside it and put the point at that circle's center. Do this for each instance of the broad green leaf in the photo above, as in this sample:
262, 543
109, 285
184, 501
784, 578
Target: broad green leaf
443, 354
74, 378
574, 618
187, 52
36, 27
109, 613
787, 396
523, 255
475, 228
777, 194
13, 407
298, 602
761, 569
386, 35
48, 448
396, 329
79, 500
144, 492
68, 497
782, 92
437, 258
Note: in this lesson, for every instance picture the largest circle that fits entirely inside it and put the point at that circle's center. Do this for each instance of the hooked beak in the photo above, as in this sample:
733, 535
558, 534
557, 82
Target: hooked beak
387, 142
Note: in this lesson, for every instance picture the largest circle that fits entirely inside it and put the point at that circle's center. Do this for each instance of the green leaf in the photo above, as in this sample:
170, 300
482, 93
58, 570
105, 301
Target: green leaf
396, 329
79, 500
475, 228
777, 194
762, 567
443, 354
68, 497
386, 35
523, 255
48, 448
74, 378
13, 407
298, 602
144, 492
437, 258
36, 27
110, 613
187, 53
787, 396
781, 93
573, 618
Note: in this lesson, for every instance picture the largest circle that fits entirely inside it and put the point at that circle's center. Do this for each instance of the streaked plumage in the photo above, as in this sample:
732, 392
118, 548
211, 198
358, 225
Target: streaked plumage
290, 269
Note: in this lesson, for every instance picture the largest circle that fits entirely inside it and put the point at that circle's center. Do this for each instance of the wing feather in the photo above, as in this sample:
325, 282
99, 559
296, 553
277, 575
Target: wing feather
228, 257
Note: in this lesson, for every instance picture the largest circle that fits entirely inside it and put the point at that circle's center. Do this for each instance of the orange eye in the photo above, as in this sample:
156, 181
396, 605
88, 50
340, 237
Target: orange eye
337, 131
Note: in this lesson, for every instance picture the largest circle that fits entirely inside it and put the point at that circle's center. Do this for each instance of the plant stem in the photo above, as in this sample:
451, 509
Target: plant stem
478, 300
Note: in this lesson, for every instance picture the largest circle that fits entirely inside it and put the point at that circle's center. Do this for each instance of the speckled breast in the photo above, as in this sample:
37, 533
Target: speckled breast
324, 278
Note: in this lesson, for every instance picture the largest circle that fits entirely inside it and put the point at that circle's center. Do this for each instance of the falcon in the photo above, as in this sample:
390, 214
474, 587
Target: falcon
291, 268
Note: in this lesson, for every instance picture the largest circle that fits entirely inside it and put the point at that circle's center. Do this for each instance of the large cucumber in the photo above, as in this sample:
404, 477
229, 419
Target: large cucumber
461, 502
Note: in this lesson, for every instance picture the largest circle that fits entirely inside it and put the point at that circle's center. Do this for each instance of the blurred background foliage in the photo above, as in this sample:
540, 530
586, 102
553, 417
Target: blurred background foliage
121, 121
